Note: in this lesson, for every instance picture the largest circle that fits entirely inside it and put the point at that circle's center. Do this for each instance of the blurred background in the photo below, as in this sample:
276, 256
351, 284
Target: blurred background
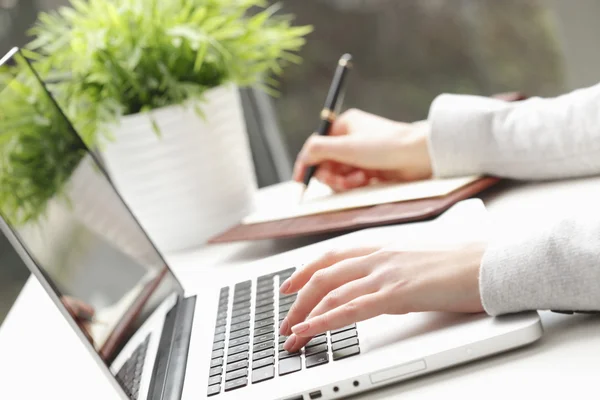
406, 52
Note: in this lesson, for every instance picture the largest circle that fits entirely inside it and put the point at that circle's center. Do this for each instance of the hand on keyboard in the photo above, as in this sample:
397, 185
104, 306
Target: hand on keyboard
349, 286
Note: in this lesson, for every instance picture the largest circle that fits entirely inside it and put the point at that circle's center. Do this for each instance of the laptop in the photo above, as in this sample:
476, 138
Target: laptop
156, 337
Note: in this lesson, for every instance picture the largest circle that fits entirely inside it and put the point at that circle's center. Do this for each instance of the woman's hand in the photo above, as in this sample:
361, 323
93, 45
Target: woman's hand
363, 147
348, 286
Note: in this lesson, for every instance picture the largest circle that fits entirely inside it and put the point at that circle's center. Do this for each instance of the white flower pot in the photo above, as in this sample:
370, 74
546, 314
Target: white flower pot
194, 180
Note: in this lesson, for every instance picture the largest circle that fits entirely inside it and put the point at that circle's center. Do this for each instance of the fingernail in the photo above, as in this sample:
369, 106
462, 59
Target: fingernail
285, 286
303, 327
284, 327
289, 343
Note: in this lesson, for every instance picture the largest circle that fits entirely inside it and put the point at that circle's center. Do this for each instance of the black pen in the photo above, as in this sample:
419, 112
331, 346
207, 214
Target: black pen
332, 106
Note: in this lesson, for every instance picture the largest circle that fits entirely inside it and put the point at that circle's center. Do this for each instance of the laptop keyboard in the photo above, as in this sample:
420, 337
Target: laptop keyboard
247, 347
130, 374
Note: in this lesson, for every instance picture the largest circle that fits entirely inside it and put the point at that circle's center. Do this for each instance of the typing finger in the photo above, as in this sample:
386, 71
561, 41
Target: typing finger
297, 281
321, 283
335, 299
357, 310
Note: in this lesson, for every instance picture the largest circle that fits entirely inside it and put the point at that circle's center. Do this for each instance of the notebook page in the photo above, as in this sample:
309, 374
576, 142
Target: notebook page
319, 198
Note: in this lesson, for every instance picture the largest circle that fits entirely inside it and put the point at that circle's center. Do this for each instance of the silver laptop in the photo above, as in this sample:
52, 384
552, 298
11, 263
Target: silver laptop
154, 337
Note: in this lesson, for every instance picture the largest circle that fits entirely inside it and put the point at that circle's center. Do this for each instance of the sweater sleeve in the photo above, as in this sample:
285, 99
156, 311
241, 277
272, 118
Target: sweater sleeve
538, 138
553, 267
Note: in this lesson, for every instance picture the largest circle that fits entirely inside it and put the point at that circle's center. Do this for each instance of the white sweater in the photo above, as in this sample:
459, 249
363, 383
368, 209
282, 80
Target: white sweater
557, 267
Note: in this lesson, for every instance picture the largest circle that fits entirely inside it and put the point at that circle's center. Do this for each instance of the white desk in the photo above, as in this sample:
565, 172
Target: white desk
34, 363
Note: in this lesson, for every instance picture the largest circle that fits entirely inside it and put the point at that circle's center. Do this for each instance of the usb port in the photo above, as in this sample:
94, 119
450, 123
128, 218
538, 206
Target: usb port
315, 395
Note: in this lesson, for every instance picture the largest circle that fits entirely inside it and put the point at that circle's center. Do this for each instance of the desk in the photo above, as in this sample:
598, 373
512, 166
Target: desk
565, 363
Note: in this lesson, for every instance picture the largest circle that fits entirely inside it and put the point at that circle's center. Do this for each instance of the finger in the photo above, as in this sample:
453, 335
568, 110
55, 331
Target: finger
299, 278
357, 310
343, 149
344, 294
335, 299
354, 180
321, 283
299, 168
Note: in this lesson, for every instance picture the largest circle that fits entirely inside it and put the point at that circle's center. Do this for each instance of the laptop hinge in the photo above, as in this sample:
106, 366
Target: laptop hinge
171, 360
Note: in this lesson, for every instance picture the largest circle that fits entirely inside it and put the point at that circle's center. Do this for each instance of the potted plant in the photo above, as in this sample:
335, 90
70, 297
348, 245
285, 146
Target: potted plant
154, 85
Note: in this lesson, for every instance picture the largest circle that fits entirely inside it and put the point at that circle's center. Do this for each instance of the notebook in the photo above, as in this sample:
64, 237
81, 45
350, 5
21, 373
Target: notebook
279, 213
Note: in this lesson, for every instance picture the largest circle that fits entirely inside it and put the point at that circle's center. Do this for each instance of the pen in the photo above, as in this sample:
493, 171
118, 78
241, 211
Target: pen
332, 106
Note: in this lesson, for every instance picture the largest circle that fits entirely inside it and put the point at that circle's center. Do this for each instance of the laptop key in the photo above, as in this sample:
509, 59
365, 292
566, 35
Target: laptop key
240, 326
218, 346
288, 300
286, 272
345, 328
238, 349
217, 362
217, 354
263, 354
241, 318
261, 303
215, 371
264, 338
213, 389
263, 374
261, 363
347, 352
213, 380
220, 337
236, 384
243, 284
264, 288
240, 311
285, 354
317, 359
264, 322
240, 306
316, 341
263, 331
316, 349
237, 300
343, 336
238, 341
221, 322
221, 315
236, 374
237, 357
264, 315
285, 307
240, 333
344, 343
264, 296
220, 329
268, 307
289, 365
243, 364
263, 346
282, 339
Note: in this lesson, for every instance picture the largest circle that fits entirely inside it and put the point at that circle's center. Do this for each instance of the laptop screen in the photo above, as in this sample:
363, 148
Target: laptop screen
70, 221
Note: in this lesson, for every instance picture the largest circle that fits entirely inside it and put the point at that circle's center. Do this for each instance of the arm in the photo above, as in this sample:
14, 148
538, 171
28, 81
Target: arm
556, 267
532, 139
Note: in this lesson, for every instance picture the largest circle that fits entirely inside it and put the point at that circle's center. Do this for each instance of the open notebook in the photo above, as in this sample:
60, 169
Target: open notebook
280, 214
319, 198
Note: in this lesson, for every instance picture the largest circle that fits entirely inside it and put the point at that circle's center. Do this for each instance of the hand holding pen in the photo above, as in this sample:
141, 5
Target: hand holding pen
359, 148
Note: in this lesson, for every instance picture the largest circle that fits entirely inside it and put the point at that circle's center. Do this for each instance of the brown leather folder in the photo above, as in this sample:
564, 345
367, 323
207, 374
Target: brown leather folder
360, 218
353, 219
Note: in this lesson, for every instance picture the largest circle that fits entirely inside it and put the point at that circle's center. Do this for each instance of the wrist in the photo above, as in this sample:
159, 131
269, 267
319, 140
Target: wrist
417, 156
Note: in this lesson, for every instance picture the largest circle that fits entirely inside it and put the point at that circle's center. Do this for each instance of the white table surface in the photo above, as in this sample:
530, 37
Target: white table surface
41, 358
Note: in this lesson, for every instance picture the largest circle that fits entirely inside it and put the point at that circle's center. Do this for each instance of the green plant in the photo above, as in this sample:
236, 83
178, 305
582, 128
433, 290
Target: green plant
38, 149
103, 59
122, 57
